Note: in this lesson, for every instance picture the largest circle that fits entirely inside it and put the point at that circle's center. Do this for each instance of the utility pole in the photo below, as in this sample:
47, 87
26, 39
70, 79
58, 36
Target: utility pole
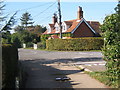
60, 26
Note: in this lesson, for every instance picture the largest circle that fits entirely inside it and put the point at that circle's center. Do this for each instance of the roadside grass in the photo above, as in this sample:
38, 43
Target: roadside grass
73, 51
103, 78
65, 51
41, 49
28, 48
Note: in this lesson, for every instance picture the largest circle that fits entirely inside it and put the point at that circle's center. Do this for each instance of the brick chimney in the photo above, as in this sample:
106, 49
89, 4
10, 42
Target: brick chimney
54, 18
79, 13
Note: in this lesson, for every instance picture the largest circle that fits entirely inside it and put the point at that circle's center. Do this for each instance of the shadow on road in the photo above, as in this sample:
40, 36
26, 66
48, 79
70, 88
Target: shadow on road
42, 68
42, 76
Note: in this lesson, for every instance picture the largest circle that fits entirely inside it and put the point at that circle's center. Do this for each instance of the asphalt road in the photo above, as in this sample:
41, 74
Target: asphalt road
43, 67
29, 54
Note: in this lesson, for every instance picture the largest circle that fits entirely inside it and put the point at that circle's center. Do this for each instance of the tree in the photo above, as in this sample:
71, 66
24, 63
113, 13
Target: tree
26, 19
4, 30
111, 49
118, 15
39, 29
6, 37
1, 9
15, 39
18, 29
9, 23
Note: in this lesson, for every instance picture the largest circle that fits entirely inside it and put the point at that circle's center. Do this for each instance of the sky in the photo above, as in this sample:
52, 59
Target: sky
42, 11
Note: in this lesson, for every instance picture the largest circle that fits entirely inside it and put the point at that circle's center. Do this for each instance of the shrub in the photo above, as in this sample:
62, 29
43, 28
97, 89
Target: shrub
44, 37
29, 45
9, 65
4, 41
111, 50
41, 45
16, 40
75, 44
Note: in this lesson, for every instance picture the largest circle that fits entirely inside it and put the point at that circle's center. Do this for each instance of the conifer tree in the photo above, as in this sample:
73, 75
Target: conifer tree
26, 19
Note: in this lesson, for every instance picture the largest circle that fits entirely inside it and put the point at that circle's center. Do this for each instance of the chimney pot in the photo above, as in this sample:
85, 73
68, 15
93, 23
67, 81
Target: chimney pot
79, 13
54, 18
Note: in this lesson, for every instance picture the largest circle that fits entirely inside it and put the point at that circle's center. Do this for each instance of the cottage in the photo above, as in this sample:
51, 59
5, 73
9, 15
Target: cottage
78, 27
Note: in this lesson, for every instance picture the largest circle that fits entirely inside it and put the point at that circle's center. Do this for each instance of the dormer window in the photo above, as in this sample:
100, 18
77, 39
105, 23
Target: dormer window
63, 27
57, 29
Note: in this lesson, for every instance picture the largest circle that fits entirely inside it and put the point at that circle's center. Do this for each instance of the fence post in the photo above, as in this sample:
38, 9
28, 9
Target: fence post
24, 45
35, 46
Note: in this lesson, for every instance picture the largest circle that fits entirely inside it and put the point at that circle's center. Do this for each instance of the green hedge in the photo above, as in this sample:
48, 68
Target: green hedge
9, 65
41, 45
29, 45
75, 44
44, 37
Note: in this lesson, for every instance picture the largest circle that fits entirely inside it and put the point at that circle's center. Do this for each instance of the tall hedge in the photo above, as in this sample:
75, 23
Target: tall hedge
111, 50
9, 65
75, 44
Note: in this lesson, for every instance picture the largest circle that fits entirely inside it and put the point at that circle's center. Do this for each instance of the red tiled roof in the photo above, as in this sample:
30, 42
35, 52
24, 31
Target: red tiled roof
94, 24
54, 36
75, 23
68, 23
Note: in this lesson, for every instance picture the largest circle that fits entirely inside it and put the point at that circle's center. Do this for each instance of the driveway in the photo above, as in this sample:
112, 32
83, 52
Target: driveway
43, 67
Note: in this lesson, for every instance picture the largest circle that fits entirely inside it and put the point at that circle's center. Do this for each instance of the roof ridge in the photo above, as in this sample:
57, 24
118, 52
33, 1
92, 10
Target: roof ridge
72, 20
92, 21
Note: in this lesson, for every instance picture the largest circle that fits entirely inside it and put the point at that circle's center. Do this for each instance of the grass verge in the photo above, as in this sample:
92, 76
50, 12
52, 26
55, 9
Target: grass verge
103, 78
70, 51
65, 50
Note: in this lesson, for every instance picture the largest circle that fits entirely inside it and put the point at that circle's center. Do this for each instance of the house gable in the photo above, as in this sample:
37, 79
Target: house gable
56, 27
83, 20
50, 28
64, 27
95, 25
83, 31
80, 27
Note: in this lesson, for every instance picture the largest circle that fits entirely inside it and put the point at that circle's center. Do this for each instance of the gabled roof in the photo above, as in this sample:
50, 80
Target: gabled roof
95, 25
74, 24
68, 23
